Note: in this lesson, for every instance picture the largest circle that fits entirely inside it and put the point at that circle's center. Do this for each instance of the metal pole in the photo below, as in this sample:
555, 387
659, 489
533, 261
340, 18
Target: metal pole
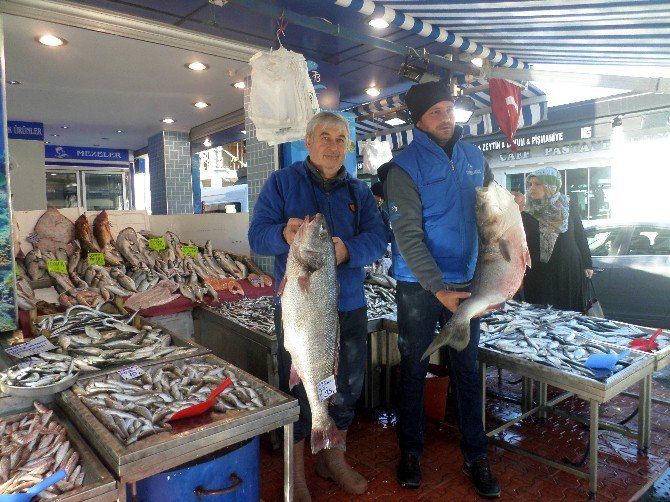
288, 462
593, 448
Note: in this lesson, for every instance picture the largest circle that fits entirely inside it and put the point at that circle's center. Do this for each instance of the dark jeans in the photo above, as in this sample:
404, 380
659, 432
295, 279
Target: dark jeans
419, 311
350, 372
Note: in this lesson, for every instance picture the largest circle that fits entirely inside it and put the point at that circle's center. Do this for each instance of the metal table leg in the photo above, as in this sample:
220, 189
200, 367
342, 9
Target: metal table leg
526, 394
288, 462
482, 369
387, 390
542, 399
644, 422
593, 448
122, 491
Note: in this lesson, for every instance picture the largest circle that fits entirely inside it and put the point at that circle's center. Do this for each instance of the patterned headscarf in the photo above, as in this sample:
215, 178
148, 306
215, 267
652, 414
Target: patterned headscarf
551, 212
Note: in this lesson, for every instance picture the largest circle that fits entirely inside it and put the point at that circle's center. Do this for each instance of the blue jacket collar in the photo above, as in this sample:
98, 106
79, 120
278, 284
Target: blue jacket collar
425, 140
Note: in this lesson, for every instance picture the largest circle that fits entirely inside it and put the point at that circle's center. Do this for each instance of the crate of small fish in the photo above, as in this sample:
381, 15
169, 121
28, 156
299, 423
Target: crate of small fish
131, 420
253, 314
40, 442
380, 300
95, 340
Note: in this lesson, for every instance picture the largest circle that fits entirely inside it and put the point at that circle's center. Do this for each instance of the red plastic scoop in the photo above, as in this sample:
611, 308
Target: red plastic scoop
644, 344
200, 408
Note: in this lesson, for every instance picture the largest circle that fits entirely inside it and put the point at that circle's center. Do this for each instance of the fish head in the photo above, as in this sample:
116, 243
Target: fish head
492, 204
312, 242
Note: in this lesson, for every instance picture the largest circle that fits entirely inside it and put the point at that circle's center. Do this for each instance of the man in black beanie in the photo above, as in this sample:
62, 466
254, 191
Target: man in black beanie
430, 197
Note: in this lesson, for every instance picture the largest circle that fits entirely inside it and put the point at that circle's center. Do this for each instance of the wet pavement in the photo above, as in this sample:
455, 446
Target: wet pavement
622, 473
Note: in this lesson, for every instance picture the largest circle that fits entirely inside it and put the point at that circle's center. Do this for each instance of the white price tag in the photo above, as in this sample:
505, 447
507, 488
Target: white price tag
131, 372
34, 346
326, 388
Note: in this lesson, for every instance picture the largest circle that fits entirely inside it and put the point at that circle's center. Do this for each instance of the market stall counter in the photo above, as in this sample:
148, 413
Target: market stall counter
133, 456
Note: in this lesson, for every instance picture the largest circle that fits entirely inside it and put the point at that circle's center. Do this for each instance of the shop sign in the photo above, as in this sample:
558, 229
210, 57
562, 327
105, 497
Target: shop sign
583, 147
157, 244
73, 153
96, 259
539, 139
25, 130
518, 155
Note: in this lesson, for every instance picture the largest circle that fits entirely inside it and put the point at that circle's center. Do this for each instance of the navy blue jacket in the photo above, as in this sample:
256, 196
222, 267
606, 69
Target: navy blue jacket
447, 190
292, 193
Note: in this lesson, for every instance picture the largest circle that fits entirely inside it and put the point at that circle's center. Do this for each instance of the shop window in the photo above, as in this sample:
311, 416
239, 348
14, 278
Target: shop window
62, 190
576, 182
599, 193
516, 183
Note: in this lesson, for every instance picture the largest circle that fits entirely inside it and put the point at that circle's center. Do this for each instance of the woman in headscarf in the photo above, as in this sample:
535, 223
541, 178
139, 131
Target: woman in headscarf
559, 251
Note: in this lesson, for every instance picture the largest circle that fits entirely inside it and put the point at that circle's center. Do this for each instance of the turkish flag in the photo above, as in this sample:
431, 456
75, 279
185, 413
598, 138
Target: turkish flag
506, 106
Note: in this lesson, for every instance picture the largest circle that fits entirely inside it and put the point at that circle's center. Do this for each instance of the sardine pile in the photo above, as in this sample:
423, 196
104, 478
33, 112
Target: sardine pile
255, 314
97, 340
380, 300
134, 409
552, 337
38, 373
34, 446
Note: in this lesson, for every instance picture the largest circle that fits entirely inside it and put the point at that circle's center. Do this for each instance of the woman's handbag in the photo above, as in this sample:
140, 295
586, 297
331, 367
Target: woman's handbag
593, 307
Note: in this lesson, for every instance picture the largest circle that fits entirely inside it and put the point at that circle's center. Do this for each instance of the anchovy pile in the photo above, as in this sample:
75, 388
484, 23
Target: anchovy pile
76, 318
37, 373
380, 300
138, 408
34, 446
255, 314
565, 321
556, 338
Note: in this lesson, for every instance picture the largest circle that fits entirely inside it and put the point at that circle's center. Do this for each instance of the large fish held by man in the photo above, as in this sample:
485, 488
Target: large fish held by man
501, 264
309, 300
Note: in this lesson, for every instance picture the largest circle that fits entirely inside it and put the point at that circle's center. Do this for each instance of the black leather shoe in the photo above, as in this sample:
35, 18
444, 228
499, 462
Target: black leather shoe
409, 471
486, 484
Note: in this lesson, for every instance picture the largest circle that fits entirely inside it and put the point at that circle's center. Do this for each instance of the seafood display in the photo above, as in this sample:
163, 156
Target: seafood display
25, 296
91, 267
561, 339
501, 263
94, 339
137, 408
34, 446
35, 373
380, 300
255, 314
309, 294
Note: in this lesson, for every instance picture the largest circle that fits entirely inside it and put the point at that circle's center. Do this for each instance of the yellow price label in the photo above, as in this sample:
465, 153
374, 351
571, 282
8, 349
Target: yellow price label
189, 250
57, 266
96, 259
157, 244
17, 270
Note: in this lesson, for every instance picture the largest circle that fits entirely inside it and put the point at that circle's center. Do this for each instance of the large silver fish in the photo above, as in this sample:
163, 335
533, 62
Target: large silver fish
501, 264
309, 295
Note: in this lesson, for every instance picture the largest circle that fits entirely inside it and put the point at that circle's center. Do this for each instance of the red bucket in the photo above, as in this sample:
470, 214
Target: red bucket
435, 392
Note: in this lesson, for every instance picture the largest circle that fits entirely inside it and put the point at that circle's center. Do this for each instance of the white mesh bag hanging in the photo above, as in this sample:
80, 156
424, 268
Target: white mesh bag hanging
282, 98
375, 154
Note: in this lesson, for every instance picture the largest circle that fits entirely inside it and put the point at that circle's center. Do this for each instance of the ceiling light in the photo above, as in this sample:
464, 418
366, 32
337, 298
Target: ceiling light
47, 142
395, 121
378, 23
54, 135
197, 66
239, 85
51, 40
207, 142
13, 82
167, 120
64, 127
372, 91
201, 104
478, 62
464, 107
119, 131
243, 131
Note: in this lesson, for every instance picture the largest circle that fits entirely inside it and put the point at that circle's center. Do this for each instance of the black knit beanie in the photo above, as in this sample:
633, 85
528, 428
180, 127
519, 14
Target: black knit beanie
421, 97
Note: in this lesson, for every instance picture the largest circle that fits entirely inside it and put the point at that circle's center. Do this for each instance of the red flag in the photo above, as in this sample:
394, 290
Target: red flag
506, 106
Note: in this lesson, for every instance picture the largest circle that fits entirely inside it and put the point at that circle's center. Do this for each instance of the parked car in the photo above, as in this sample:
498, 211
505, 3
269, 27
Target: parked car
631, 263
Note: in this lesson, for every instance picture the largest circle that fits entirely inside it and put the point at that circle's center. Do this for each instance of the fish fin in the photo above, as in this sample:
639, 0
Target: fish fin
282, 285
303, 282
293, 379
455, 335
505, 249
329, 438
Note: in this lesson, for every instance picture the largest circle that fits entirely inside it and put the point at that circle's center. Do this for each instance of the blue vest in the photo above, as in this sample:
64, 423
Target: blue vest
447, 191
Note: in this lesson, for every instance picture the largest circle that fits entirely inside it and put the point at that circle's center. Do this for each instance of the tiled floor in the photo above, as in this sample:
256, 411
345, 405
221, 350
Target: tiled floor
373, 450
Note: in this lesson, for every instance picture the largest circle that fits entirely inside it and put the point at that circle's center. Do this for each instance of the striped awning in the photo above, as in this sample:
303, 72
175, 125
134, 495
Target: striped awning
372, 116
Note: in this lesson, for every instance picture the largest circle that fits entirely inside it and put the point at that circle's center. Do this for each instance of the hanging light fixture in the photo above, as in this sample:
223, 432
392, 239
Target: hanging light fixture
464, 107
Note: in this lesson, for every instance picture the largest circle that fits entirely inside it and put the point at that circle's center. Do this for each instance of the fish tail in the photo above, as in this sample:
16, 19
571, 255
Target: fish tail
328, 438
455, 335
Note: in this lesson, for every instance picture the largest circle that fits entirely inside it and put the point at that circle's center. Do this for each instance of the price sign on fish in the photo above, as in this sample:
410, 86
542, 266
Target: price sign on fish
96, 259
326, 388
190, 251
131, 372
57, 266
157, 244
34, 346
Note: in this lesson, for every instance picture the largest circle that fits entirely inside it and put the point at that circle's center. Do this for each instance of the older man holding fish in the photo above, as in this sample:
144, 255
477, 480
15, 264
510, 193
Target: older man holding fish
430, 191
322, 226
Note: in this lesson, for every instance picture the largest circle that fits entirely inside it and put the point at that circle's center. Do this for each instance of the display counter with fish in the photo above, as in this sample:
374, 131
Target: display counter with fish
126, 420
40, 441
